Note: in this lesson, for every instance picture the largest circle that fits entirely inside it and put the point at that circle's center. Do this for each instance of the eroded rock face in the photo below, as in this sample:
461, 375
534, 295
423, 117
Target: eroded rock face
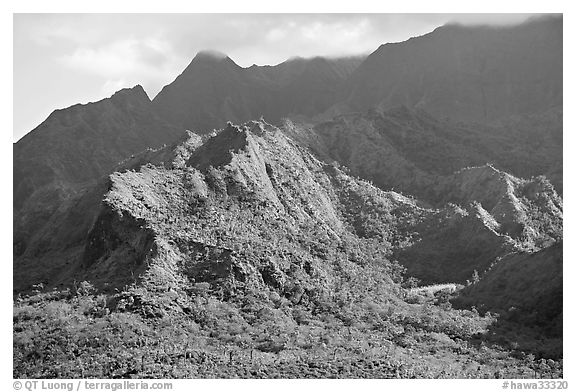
529, 211
251, 207
261, 218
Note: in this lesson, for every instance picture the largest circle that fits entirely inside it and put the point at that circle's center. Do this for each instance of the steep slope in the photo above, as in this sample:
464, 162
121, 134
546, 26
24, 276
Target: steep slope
500, 214
213, 89
467, 73
252, 199
54, 253
527, 286
60, 161
241, 254
526, 290
408, 150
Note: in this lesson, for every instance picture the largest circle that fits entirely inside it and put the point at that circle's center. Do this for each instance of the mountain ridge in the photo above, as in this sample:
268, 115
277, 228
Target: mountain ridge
74, 148
364, 231
466, 73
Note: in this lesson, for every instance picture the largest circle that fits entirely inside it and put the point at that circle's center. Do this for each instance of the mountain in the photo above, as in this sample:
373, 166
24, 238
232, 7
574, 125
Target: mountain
158, 239
465, 73
233, 195
213, 89
247, 241
72, 149
490, 215
256, 167
525, 288
473, 74
408, 149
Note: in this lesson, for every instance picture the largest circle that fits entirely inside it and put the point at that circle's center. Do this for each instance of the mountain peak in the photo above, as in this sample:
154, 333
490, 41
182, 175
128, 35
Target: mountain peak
211, 59
210, 55
137, 92
218, 150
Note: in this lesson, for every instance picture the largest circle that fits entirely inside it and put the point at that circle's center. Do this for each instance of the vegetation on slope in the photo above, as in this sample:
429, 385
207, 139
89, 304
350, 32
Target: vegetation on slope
256, 261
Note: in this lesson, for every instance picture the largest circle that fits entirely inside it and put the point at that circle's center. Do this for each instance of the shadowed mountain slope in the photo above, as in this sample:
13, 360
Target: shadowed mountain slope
526, 289
500, 214
213, 89
73, 149
526, 282
467, 73
408, 150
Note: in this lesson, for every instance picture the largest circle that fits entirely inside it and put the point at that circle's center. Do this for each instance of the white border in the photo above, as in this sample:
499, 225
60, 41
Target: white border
303, 6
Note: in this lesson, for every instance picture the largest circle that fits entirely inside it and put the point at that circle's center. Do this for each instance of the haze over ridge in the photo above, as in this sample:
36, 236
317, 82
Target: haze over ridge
81, 63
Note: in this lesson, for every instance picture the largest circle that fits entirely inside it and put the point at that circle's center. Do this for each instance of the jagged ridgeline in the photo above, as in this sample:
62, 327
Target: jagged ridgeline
405, 221
249, 209
243, 241
269, 203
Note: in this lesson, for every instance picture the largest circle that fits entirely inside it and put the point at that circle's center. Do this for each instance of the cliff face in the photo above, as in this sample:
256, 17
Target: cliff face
473, 74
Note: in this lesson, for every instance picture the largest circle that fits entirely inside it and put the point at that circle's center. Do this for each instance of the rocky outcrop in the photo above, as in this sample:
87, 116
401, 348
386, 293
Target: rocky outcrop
270, 216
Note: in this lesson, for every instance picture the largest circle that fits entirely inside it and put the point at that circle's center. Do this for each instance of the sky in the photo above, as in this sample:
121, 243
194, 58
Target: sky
63, 59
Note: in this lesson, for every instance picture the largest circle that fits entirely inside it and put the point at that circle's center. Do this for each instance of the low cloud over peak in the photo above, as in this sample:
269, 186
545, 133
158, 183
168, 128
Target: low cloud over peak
83, 61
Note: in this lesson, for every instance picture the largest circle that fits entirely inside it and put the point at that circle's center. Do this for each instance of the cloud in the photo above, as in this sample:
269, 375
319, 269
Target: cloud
489, 19
80, 57
126, 62
118, 58
111, 86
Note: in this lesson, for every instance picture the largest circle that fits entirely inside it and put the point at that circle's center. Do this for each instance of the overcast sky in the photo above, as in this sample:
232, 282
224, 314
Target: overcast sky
64, 59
